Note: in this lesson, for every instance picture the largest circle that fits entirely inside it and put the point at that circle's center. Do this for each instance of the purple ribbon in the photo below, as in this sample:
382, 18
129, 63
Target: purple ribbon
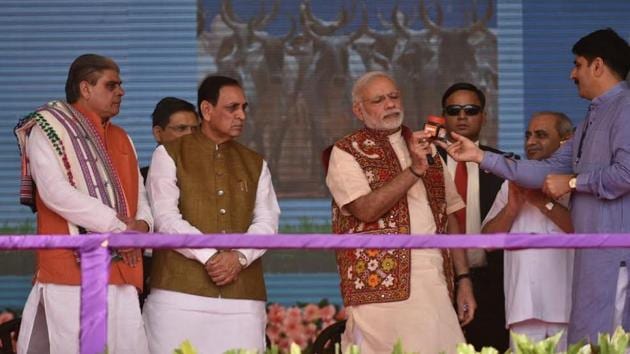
320, 241
95, 260
95, 256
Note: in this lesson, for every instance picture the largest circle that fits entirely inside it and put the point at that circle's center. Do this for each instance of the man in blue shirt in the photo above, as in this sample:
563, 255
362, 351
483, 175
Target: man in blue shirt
595, 167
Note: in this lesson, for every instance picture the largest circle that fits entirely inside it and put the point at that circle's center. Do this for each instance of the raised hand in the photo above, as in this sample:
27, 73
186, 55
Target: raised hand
516, 197
463, 149
419, 147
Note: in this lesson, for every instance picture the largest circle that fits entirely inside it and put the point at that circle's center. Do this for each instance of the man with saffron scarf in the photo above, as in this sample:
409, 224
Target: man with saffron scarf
80, 173
382, 183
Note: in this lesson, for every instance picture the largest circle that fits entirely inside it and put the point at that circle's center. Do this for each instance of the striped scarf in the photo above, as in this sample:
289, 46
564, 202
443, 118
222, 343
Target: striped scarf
80, 150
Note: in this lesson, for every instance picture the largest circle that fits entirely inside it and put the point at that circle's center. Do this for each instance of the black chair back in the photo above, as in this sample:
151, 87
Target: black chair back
326, 340
9, 332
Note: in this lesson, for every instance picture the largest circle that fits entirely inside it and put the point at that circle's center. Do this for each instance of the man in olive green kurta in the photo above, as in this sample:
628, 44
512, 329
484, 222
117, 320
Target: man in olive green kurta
208, 183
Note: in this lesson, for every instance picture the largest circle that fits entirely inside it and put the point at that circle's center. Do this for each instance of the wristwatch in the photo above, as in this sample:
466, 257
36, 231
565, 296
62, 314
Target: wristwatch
573, 183
241, 259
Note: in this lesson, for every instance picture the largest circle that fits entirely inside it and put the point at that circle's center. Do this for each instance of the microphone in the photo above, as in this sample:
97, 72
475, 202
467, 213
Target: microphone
434, 128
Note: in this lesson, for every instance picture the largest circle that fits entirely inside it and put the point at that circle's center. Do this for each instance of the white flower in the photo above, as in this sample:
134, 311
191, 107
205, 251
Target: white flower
358, 284
369, 142
372, 265
358, 252
369, 175
349, 273
388, 281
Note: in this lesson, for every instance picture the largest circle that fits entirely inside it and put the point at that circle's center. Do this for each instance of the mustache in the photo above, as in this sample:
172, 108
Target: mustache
392, 111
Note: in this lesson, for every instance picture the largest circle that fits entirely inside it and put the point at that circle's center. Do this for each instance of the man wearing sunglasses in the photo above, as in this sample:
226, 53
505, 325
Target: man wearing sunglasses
595, 167
463, 107
382, 183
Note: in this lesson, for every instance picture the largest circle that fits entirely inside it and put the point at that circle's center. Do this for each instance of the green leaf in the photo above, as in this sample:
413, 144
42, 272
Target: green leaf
620, 340
463, 348
548, 345
397, 348
273, 350
489, 350
585, 349
577, 347
295, 349
186, 348
353, 349
522, 344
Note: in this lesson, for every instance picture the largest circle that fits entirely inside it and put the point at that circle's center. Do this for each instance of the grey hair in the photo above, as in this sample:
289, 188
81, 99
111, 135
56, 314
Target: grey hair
564, 125
364, 80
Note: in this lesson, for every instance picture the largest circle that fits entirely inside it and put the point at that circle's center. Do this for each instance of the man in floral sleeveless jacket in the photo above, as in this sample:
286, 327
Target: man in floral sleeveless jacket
382, 183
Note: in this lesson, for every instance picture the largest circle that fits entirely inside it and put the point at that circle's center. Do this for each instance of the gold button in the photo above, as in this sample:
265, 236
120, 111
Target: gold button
220, 192
222, 211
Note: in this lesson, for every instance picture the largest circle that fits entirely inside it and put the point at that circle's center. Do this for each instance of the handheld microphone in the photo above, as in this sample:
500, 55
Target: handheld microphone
434, 128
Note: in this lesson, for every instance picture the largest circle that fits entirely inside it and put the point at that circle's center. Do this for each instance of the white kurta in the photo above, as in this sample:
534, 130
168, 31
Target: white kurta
426, 322
50, 319
213, 325
537, 281
71, 204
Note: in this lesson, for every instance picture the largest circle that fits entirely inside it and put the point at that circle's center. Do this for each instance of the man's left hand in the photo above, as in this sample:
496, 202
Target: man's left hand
466, 304
135, 225
130, 256
556, 186
224, 268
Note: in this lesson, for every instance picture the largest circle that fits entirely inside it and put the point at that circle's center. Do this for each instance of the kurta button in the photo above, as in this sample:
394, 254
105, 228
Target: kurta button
220, 192
222, 211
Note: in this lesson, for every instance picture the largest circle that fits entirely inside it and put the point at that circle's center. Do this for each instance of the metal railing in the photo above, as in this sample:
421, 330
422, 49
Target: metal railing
95, 256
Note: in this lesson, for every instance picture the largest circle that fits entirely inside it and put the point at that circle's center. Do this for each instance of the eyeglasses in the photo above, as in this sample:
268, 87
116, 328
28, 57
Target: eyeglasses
394, 96
469, 109
182, 128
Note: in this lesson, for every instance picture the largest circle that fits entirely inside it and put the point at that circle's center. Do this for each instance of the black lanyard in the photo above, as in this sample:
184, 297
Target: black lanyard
588, 123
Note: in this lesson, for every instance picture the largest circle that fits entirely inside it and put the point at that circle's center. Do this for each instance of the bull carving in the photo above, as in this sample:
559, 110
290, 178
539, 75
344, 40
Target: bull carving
299, 81
467, 54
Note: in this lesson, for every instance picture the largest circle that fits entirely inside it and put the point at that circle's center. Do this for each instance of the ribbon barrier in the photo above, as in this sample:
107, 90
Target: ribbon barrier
95, 256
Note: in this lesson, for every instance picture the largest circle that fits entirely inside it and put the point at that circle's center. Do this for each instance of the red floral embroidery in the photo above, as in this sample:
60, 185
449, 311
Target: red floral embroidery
372, 275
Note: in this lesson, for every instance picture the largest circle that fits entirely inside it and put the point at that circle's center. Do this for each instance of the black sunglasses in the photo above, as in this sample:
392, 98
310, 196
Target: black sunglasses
469, 109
